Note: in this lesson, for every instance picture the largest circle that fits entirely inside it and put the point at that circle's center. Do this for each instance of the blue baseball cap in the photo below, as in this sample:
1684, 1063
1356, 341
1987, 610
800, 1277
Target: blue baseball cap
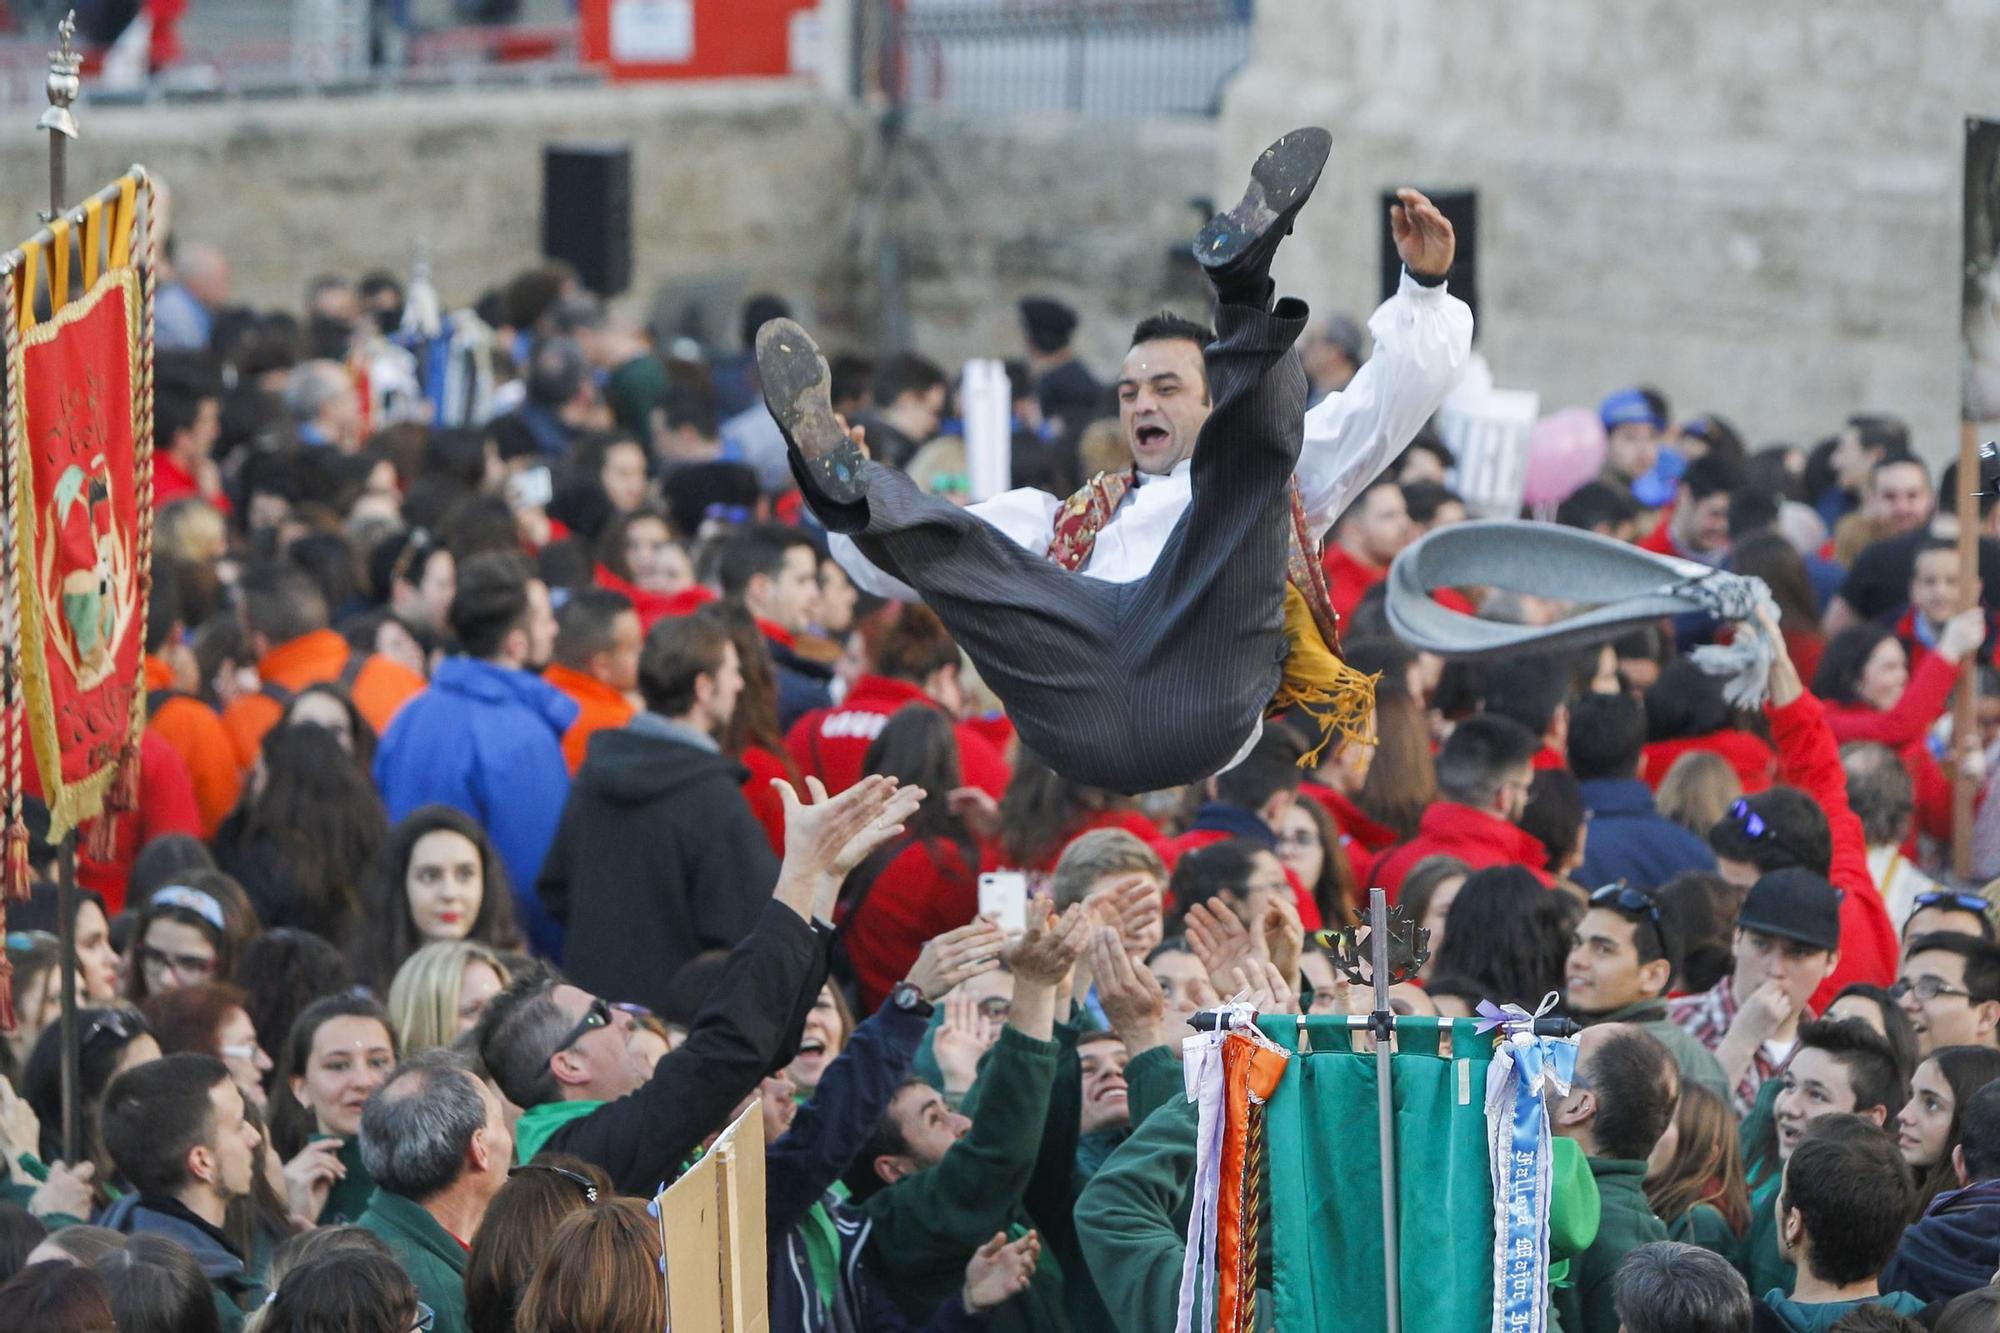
1628, 407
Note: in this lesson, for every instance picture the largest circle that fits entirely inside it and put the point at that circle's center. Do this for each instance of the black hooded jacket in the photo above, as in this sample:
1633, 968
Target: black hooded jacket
658, 859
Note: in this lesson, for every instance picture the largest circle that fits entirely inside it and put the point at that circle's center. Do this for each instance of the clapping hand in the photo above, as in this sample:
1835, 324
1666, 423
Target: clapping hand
956, 956
961, 1040
1131, 998
1050, 946
999, 1271
827, 837
1221, 944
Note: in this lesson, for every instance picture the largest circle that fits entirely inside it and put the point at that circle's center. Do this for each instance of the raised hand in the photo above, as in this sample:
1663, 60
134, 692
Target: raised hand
1264, 988
1131, 907
827, 837
67, 1191
1000, 1271
1131, 998
1424, 236
956, 956
1220, 943
20, 1130
1050, 946
1283, 934
1963, 634
965, 1035
975, 808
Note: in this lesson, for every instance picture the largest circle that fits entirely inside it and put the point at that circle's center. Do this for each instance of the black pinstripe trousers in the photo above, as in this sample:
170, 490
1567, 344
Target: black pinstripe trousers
1149, 684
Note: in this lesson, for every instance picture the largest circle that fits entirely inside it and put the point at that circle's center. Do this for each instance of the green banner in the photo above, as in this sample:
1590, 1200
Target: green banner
1326, 1179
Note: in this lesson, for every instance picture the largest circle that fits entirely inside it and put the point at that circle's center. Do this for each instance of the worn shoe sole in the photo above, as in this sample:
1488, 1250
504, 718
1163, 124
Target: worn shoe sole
797, 389
1281, 180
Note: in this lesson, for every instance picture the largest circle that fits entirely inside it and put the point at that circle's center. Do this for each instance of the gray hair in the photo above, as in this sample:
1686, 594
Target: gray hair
1879, 789
417, 1126
1667, 1287
314, 384
517, 1037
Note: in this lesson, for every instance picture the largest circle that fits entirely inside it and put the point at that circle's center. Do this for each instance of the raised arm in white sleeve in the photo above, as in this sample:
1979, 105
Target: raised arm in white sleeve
1025, 516
1423, 339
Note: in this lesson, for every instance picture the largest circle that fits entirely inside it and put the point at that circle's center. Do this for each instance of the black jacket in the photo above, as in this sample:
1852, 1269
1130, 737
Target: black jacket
803, 684
750, 1027
657, 859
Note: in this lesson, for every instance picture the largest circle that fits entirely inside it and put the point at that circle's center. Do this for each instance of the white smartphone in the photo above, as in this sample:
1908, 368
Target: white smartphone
531, 488
1003, 895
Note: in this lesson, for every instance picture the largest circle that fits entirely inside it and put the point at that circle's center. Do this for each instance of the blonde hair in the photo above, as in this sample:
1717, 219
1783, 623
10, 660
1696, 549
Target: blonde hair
1697, 791
1100, 852
423, 999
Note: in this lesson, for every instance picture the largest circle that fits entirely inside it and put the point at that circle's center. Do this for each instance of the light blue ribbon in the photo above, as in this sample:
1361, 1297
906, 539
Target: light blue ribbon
1518, 1148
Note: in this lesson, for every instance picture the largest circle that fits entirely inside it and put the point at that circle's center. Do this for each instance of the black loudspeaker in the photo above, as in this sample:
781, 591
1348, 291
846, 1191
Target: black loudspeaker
587, 212
1461, 208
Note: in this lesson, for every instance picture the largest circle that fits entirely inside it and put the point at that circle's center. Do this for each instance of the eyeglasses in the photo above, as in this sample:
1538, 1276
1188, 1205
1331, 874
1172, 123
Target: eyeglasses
238, 1050
426, 1319
1963, 902
1926, 989
597, 1016
1757, 830
580, 1181
193, 966
1626, 899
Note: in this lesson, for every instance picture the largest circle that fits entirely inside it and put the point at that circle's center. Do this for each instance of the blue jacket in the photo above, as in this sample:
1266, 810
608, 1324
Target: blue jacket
1953, 1248
1631, 840
235, 1286
487, 740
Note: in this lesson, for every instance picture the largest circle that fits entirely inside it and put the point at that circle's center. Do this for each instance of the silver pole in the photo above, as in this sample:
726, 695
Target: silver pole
1385, 1105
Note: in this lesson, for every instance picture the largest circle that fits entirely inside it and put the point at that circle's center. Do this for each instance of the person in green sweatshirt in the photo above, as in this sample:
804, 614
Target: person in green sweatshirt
1618, 1105
1845, 1196
935, 1185
436, 1141
1840, 1066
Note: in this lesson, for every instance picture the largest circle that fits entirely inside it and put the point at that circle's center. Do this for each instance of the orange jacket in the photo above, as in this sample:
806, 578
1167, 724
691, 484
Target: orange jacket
196, 733
317, 658
601, 709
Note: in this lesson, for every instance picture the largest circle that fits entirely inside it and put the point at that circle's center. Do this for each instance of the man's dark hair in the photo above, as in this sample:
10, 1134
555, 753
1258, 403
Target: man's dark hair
1480, 754
1528, 689
1852, 1190
1879, 790
1979, 1137
1169, 327
1655, 934
517, 1034
677, 651
163, 603
1881, 431
905, 372
417, 1126
281, 601
1633, 1077
1904, 459
182, 382
1867, 1057
1554, 814
1982, 960
885, 1140
1597, 504
587, 623
758, 310
1272, 766
1607, 734
1424, 498
1668, 1287
1211, 871
491, 602
556, 370
1795, 833
1711, 475
758, 549
1752, 509
154, 1113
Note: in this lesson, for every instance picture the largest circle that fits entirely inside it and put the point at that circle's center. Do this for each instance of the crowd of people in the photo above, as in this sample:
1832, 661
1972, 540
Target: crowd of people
525, 798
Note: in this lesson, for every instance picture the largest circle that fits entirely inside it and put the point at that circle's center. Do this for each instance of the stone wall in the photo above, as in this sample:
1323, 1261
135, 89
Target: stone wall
1756, 207
737, 187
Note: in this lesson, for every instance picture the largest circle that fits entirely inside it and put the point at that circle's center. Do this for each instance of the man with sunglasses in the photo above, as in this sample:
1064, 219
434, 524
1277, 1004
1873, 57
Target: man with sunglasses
563, 1054
1623, 955
1787, 943
1944, 912
1950, 990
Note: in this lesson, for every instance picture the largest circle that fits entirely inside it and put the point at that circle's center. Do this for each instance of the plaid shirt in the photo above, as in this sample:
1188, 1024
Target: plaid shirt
1706, 1017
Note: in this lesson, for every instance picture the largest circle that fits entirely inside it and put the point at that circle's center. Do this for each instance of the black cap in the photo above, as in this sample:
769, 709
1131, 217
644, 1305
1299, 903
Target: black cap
1049, 323
1795, 904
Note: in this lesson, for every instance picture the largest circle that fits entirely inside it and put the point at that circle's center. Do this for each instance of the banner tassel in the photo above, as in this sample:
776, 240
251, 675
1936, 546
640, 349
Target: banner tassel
124, 794
15, 879
101, 843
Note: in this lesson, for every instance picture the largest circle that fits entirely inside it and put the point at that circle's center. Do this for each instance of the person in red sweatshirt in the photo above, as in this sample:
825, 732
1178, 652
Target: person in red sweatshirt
1871, 694
1697, 526
1806, 822
1483, 775
1250, 802
914, 662
187, 418
1685, 711
1371, 533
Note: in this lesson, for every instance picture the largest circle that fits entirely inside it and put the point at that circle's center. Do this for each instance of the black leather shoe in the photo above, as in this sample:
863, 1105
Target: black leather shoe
797, 390
1237, 247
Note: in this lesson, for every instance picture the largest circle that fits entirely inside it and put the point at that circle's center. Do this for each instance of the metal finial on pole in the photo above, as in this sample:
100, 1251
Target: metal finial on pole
64, 85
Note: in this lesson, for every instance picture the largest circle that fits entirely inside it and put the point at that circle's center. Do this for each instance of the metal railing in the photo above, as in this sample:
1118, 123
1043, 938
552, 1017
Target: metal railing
1092, 57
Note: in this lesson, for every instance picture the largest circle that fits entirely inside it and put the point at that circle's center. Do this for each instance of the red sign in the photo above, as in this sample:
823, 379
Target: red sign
77, 513
702, 39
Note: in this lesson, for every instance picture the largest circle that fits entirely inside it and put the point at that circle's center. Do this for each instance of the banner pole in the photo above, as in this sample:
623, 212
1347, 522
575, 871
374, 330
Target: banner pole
63, 87
1384, 1025
1964, 713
